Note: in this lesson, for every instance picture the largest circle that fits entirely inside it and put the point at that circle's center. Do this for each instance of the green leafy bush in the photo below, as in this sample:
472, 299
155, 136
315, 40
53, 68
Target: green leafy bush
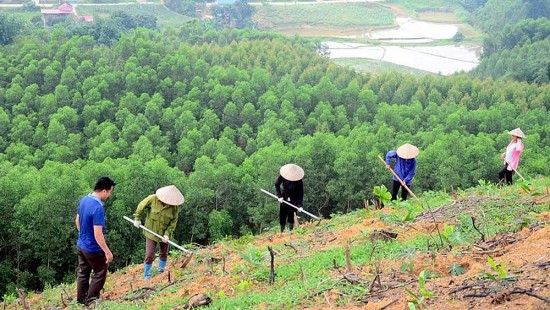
382, 194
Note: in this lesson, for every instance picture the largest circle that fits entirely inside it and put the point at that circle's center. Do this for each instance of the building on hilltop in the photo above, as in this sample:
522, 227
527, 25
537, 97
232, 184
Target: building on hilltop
63, 12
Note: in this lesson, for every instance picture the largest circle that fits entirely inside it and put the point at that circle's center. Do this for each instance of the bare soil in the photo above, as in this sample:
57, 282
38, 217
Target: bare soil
525, 255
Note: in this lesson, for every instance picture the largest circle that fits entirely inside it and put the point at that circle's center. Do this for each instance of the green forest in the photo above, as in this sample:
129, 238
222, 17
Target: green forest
217, 112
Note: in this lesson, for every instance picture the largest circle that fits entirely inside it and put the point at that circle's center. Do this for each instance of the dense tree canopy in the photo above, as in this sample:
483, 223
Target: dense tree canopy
528, 62
516, 47
9, 28
494, 15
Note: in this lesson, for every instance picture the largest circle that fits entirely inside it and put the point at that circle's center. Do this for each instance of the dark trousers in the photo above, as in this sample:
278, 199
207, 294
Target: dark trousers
505, 173
286, 214
150, 246
395, 190
86, 290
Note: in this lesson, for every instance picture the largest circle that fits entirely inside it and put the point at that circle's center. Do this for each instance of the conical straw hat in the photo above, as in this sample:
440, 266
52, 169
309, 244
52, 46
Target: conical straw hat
407, 151
170, 195
517, 132
292, 172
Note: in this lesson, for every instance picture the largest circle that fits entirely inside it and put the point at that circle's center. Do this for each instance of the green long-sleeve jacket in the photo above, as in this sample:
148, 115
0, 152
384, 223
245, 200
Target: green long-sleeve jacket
162, 220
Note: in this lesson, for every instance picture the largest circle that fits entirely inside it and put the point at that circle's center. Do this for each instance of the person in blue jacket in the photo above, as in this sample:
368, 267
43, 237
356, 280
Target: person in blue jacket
405, 168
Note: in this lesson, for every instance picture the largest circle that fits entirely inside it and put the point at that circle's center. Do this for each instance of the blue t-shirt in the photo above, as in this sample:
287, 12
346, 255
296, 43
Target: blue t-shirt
91, 213
404, 168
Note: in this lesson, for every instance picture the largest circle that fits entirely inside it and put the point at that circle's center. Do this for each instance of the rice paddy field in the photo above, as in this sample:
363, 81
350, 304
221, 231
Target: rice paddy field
377, 66
336, 15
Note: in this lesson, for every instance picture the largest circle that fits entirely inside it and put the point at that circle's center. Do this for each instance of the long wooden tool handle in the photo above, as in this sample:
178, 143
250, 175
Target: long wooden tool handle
517, 172
159, 236
520, 175
288, 203
399, 179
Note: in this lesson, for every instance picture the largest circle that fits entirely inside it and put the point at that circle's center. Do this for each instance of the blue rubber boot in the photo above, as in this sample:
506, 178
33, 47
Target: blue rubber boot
162, 264
147, 271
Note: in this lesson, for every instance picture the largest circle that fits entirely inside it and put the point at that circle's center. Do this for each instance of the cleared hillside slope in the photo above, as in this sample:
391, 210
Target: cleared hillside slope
351, 262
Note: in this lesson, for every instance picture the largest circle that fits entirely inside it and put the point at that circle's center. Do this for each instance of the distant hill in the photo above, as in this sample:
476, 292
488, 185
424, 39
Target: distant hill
516, 46
520, 52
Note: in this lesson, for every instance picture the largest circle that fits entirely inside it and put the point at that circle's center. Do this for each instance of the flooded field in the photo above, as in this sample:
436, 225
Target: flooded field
440, 59
444, 60
404, 41
410, 30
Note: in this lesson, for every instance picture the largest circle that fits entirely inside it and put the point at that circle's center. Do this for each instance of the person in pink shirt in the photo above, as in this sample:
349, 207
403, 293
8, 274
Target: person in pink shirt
511, 156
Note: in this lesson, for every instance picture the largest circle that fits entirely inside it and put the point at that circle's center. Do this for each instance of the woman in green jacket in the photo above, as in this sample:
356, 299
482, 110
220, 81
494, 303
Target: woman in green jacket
161, 216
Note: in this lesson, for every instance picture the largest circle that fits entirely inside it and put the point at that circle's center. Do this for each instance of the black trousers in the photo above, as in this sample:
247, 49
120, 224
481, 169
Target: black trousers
505, 173
286, 215
87, 291
395, 190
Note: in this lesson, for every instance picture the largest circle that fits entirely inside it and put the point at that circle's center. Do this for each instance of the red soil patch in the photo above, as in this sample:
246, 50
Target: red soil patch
526, 256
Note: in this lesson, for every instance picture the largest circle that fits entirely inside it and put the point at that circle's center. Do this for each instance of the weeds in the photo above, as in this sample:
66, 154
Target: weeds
499, 270
242, 286
253, 257
524, 185
452, 236
242, 241
382, 195
456, 270
306, 276
418, 299
408, 256
485, 186
409, 217
9, 298
398, 217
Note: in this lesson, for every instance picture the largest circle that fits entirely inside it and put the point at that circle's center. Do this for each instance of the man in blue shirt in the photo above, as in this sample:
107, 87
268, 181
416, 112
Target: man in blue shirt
93, 252
405, 168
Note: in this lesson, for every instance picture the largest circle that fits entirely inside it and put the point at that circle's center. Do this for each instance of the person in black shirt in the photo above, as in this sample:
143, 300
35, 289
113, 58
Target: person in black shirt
290, 177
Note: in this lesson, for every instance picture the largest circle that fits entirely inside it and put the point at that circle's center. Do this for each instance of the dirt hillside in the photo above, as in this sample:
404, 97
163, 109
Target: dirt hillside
519, 279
